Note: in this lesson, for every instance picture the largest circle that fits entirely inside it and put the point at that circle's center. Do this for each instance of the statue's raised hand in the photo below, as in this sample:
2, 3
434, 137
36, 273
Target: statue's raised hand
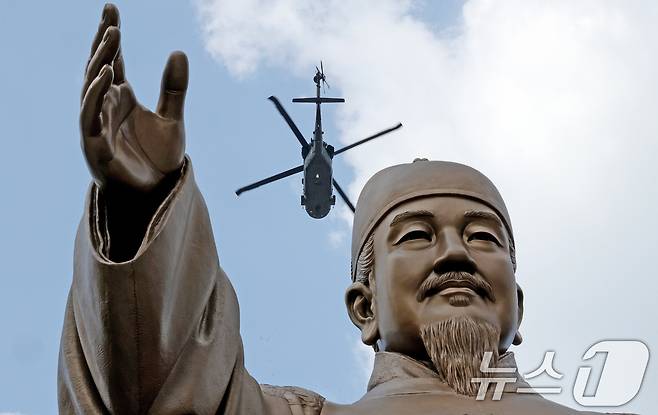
125, 144
133, 154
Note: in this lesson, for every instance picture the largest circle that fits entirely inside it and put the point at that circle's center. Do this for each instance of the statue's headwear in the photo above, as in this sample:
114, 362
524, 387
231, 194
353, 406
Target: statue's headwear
403, 182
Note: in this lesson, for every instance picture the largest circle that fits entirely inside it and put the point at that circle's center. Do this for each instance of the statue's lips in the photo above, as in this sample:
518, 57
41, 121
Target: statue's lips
453, 287
458, 290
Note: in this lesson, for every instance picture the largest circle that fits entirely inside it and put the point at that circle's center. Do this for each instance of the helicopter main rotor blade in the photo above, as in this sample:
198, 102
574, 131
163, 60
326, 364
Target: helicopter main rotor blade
290, 122
365, 140
343, 195
271, 179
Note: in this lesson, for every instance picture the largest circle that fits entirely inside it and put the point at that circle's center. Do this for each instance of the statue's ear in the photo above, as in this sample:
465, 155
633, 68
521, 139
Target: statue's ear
519, 295
361, 308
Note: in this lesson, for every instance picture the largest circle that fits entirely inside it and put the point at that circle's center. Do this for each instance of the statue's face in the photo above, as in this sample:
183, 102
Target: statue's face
425, 238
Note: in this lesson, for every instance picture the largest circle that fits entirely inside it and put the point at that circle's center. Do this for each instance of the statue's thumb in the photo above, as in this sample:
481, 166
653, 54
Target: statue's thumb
174, 85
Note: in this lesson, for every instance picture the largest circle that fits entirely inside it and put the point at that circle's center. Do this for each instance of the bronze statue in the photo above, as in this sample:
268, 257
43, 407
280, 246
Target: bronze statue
151, 322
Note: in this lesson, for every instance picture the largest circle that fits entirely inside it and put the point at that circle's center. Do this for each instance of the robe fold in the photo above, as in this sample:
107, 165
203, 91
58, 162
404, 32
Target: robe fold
159, 334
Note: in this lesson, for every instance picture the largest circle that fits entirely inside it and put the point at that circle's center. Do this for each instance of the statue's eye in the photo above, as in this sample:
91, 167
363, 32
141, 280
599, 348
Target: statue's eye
416, 234
483, 236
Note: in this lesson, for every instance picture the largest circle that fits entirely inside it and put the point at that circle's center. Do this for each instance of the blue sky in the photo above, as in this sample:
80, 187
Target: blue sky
538, 111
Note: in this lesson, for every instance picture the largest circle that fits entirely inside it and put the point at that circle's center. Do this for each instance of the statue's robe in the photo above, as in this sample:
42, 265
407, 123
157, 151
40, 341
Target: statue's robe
159, 334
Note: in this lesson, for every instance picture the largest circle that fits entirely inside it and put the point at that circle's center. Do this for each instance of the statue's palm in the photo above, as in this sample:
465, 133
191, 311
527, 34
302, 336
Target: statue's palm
124, 143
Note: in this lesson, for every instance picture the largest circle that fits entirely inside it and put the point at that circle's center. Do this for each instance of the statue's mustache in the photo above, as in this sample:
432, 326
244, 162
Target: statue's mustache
437, 282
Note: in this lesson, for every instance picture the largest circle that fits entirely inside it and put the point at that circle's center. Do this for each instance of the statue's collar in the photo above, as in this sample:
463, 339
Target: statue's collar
389, 366
397, 370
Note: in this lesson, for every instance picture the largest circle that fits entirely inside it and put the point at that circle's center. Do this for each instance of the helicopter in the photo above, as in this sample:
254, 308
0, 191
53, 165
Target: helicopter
318, 182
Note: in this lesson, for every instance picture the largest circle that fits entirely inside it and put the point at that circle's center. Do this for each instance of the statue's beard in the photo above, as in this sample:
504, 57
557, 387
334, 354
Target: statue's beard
456, 347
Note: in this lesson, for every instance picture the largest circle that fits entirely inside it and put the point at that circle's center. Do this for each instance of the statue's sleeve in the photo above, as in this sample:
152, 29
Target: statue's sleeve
158, 334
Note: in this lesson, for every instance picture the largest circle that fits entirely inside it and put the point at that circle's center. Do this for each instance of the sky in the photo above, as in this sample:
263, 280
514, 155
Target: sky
555, 101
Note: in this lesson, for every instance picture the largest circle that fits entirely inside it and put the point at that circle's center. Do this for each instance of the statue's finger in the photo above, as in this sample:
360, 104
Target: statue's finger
92, 103
110, 17
119, 70
174, 86
105, 54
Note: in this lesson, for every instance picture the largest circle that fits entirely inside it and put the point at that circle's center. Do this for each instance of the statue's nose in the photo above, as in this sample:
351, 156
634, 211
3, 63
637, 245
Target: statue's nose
453, 254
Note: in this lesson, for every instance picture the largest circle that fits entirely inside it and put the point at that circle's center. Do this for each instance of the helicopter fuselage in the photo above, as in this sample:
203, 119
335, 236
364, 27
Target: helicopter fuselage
317, 196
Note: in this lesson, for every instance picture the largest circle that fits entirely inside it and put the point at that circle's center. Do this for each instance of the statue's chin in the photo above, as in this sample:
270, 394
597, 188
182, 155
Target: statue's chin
456, 347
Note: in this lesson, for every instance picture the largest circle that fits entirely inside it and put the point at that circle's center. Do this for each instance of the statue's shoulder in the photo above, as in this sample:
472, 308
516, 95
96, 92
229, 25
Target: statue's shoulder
297, 398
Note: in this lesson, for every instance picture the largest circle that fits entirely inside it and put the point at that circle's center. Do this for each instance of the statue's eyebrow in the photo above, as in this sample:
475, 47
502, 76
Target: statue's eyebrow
481, 214
411, 214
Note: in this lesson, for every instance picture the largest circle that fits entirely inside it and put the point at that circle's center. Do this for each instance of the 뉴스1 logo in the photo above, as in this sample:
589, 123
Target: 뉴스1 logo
621, 378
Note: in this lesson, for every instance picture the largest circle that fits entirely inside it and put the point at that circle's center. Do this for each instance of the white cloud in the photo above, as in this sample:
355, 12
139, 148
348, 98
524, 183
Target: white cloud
556, 102
336, 238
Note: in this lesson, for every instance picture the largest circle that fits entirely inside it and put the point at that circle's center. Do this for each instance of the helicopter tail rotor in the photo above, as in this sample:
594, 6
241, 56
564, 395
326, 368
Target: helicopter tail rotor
321, 78
324, 78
